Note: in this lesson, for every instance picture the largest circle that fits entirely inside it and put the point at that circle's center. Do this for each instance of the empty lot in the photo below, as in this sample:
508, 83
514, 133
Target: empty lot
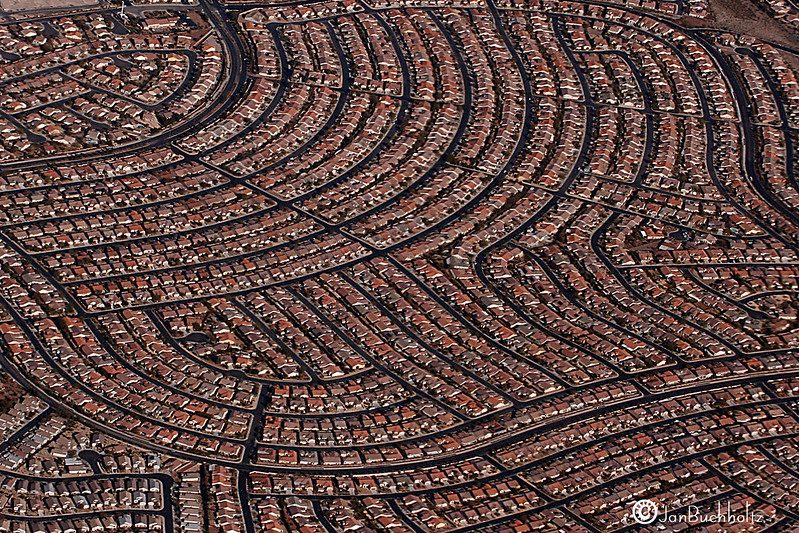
36, 5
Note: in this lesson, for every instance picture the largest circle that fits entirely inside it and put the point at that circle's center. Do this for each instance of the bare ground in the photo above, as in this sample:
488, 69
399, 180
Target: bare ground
747, 18
16, 6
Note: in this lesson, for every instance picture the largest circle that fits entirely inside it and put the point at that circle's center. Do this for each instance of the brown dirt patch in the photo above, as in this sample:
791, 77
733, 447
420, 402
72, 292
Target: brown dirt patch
747, 18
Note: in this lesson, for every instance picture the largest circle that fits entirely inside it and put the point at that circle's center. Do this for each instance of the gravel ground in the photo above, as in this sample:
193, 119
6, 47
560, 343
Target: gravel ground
34, 5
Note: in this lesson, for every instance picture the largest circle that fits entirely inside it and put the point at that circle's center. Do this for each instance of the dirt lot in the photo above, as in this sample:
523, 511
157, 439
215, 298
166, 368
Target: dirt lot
746, 17
15, 6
